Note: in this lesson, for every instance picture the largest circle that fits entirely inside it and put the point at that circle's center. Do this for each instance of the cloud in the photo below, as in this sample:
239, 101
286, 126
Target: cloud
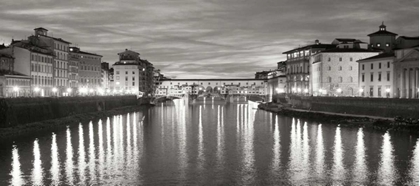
205, 38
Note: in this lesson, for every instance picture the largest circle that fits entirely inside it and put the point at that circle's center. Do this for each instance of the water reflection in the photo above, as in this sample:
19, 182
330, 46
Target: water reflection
81, 159
320, 154
69, 158
360, 168
190, 145
386, 172
338, 171
55, 165
16, 173
37, 171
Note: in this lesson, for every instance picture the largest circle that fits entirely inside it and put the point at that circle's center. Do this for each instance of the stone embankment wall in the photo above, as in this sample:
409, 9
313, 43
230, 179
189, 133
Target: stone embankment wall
17, 111
383, 107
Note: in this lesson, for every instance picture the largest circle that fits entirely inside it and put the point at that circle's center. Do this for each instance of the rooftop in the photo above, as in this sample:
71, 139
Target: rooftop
249, 79
409, 38
57, 39
336, 50
310, 46
383, 55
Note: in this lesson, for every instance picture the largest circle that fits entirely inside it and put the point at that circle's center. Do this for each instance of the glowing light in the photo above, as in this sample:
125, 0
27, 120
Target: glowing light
91, 90
118, 83
388, 90
54, 89
299, 90
36, 89
339, 90
108, 91
306, 90
15, 88
361, 90
293, 89
69, 90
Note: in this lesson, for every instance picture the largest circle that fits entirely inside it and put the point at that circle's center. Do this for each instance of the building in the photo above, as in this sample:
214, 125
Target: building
12, 84
406, 73
335, 71
74, 60
133, 74
276, 83
376, 76
35, 61
406, 42
298, 67
382, 39
105, 81
60, 50
262, 74
89, 70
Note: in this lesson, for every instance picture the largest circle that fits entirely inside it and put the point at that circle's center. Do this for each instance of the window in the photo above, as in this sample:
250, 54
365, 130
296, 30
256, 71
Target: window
351, 59
340, 59
388, 76
351, 79
379, 76
134, 78
363, 67
340, 68
387, 64
340, 79
350, 68
371, 91
371, 77
329, 79
133, 84
380, 65
126, 78
134, 72
126, 72
329, 59
117, 72
371, 66
329, 67
379, 91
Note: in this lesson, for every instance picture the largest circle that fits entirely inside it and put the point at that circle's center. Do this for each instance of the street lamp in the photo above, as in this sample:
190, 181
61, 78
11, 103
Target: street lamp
360, 90
16, 89
36, 89
306, 90
339, 90
69, 90
54, 90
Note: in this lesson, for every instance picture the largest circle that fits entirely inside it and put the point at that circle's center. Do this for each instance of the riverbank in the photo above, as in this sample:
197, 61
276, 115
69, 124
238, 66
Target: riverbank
351, 120
48, 126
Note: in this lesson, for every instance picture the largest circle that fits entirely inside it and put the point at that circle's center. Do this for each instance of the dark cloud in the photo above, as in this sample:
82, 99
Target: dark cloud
205, 38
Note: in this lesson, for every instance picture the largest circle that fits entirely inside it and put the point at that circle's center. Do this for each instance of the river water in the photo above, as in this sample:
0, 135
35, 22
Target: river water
210, 144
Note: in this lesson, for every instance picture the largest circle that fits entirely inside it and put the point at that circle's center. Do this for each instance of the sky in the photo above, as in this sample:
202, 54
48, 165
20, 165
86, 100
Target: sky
205, 38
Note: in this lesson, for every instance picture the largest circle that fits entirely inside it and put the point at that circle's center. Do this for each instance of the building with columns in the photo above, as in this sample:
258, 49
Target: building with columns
406, 73
298, 67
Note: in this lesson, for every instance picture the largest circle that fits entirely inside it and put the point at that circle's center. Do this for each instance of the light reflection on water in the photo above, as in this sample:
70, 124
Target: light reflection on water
193, 145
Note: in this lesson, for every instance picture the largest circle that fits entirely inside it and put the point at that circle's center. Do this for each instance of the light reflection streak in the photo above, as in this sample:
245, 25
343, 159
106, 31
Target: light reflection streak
91, 153
101, 150
81, 159
248, 153
182, 139
295, 162
386, 172
414, 170
16, 173
129, 161
220, 135
37, 171
276, 146
360, 169
320, 154
69, 158
200, 140
305, 152
55, 166
108, 147
338, 171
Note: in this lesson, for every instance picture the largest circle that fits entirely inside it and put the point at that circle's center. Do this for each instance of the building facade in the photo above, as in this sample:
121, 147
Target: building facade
382, 39
60, 50
376, 76
12, 84
298, 67
133, 74
406, 73
89, 70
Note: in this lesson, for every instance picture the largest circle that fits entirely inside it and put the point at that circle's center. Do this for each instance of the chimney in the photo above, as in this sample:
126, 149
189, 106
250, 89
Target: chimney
317, 42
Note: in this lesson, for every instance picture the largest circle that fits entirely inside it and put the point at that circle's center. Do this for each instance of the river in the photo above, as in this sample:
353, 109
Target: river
210, 144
